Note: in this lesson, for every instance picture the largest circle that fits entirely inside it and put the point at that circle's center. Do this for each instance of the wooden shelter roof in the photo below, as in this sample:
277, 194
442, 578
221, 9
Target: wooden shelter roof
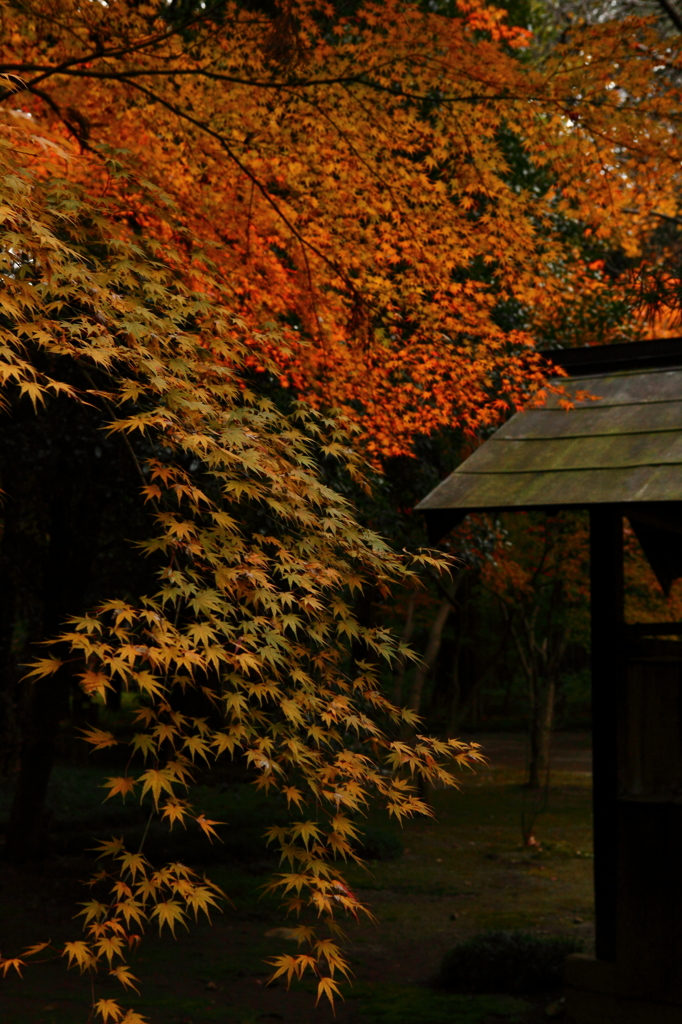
623, 447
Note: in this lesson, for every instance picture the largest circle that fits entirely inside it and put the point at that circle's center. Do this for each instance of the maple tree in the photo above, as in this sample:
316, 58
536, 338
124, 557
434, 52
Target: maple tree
258, 560
412, 201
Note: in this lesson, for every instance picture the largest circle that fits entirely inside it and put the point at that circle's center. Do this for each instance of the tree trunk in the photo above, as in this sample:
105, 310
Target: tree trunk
65, 506
430, 655
22, 558
545, 726
26, 832
456, 695
399, 674
68, 557
542, 721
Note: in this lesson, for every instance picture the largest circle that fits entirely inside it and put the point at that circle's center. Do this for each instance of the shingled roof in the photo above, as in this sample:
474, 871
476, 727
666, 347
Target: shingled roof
622, 448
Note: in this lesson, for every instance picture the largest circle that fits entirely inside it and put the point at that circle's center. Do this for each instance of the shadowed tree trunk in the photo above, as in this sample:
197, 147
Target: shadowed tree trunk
472, 661
26, 831
430, 654
535, 612
444, 610
540, 740
52, 477
64, 582
399, 673
540, 661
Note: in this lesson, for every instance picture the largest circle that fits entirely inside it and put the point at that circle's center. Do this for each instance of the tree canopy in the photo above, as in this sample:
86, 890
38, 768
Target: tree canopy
410, 197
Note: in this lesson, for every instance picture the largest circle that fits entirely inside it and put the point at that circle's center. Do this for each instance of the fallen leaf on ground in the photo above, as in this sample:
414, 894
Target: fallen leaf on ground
281, 933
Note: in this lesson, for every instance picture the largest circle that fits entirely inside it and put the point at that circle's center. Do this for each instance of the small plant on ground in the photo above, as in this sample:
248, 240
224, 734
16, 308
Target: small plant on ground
506, 961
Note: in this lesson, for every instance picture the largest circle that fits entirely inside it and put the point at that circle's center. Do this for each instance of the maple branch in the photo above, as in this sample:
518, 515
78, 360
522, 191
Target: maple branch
70, 69
46, 98
184, 115
668, 8
248, 225
101, 52
372, 170
112, 412
663, 216
80, 137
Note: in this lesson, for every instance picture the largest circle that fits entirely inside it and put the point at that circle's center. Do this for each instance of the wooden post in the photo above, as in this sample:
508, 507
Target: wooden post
606, 580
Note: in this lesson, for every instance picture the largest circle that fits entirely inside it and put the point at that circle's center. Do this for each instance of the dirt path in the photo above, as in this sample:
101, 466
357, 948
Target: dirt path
571, 751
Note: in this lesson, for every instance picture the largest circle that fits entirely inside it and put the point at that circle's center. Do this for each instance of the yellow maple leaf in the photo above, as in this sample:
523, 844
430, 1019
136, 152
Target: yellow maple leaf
147, 889
109, 848
122, 784
107, 1008
196, 745
164, 731
15, 963
148, 683
155, 781
327, 987
92, 911
144, 742
38, 948
79, 953
328, 949
292, 966
95, 682
123, 974
170, 913
199, 897
133, 862
293, 795
223, 741
132, 910
35, 391
110, 946
284, 964
305, 830
206, 824
44, 667
98, 738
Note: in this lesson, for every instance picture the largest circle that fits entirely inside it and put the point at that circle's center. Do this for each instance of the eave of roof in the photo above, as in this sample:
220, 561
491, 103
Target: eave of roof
623, 446
630, 355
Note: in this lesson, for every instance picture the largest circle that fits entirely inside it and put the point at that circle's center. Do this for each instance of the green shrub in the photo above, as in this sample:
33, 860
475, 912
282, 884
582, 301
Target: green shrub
510, 962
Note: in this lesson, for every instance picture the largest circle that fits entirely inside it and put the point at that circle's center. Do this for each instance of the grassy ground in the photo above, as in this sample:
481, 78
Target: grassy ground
462, 874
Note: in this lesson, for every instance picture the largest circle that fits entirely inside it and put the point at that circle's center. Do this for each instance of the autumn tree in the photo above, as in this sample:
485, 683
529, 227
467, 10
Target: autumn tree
354, 175
256, 561
540, 579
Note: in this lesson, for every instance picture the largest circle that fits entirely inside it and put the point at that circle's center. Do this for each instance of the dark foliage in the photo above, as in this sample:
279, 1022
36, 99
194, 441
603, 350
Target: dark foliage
512, 962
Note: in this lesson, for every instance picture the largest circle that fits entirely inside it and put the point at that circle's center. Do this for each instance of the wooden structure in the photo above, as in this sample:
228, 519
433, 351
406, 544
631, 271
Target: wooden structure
619, 455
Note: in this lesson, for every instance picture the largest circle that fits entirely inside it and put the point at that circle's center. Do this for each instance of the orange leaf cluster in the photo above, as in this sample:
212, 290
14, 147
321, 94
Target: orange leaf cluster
354, 178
